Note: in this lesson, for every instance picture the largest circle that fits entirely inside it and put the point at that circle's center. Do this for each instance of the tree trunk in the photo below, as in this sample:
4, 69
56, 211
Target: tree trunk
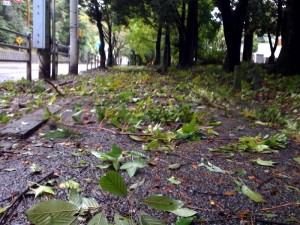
110, 57
278, 28
233, 21
289, 58
167, 49
102, 45
248, 43
157, 45
98, 18
192, 33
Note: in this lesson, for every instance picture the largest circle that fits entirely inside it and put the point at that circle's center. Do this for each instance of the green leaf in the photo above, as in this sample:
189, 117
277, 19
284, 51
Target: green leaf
292, 188
56, 212
184, 212
184, 221
76, 117
3, 210
174, 181
100, 155
42, 189
136, 138
35, 168
254, 196
120, 220
137, 154
149, 220
113, 183
98, 219
261, 148
116, 152
89, 204
131, 167
297, 159
75, 198
211, 131
211, 167
263, 162
71, 184
161, 203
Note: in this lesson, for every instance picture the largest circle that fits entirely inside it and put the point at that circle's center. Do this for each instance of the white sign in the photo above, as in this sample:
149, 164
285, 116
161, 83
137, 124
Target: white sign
7, 2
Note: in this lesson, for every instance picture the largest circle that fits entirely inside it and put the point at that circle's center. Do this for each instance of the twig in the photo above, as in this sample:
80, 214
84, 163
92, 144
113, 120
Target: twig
49, 82
203, 209
5, 215
66, 82
281, 206
264, 182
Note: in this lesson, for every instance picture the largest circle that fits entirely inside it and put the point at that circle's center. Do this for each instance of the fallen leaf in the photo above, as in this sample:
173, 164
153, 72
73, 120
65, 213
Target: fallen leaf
195, 166
243, 214
153, 162
261, 162
174, 181
251, 177
42, 189
229, 193
9, 169
297, 159
254, 196
175, 166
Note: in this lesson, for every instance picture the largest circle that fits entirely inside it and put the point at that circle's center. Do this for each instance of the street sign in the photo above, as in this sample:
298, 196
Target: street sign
18, 1
19, 40
7, 2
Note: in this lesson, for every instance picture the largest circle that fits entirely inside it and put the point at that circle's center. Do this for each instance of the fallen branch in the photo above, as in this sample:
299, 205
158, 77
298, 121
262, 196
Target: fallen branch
281, 206
66, 82
14, 203
49, 82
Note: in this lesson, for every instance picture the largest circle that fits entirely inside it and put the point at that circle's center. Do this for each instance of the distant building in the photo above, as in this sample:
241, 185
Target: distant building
264, 52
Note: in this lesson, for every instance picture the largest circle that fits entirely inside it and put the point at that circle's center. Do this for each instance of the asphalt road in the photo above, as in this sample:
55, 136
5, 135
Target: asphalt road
17, 71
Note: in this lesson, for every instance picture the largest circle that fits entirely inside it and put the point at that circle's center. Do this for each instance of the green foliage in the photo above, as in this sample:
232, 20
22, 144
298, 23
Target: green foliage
113, 183
52, 212
161, 203
61, 133
3, 118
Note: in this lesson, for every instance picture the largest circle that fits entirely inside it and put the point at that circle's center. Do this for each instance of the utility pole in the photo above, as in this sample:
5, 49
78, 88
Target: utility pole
73, 37
54, 44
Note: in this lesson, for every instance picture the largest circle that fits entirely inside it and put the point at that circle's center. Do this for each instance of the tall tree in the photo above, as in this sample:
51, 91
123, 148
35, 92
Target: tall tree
233, 17
94, 10
289, 58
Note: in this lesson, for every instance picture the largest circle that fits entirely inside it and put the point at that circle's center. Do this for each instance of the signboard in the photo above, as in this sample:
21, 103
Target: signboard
7, 2
19, 40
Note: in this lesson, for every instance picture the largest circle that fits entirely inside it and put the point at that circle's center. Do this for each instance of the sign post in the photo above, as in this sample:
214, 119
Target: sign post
19, 40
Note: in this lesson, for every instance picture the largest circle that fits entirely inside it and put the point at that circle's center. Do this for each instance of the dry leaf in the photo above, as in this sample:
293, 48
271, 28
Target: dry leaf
229, 193
251, 177
195, 166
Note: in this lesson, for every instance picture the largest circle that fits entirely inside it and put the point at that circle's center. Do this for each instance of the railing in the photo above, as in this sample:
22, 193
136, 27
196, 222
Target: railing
27, 48
92, 60
60, 54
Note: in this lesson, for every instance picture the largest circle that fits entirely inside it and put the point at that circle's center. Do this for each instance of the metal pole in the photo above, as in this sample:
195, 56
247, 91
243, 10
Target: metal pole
74, 37
54, 69
45, 54
29, 62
